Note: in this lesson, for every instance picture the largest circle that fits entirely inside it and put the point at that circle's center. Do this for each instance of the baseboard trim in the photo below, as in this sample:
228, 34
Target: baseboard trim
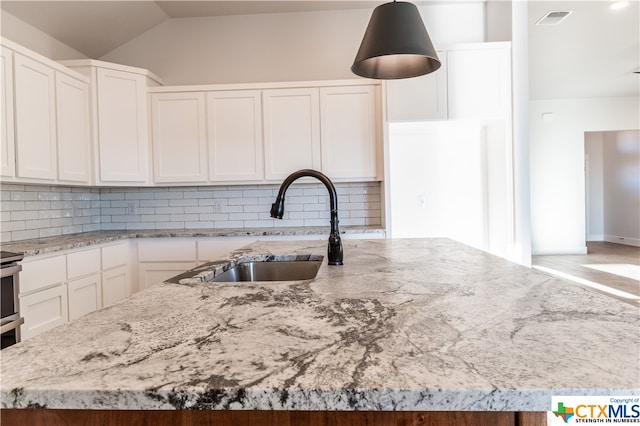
622, 240
543, 251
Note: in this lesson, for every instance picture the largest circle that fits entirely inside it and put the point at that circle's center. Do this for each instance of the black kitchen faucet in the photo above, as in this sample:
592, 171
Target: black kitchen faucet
277, 210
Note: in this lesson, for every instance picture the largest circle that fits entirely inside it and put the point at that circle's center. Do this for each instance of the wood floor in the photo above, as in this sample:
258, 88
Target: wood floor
598, 253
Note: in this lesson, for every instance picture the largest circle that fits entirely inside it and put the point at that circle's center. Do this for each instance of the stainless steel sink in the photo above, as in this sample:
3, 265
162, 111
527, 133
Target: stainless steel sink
271, 271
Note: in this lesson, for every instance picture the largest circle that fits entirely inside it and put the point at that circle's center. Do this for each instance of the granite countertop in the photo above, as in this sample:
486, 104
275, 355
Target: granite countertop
420, 324
65, 242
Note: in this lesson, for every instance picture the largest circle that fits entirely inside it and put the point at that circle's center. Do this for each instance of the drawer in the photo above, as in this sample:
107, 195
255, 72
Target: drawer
83, 263
167, 250
41, 273
115, 255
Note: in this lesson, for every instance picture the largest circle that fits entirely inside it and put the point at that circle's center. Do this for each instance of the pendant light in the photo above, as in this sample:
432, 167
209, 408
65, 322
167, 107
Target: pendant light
395, 45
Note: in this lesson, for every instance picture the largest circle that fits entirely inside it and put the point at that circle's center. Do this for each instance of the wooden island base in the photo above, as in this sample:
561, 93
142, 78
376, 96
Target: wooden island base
49, 417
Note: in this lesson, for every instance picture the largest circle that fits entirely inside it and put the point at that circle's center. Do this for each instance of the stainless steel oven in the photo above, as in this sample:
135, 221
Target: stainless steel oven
10, 320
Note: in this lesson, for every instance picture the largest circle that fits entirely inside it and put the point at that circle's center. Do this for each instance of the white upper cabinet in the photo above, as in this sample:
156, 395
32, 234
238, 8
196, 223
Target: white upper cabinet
35, 115
235, 135
479, 81
7, 146
179, 137
474, 82
120, 121
262, 133
291, 131
122, 126
73, 137
45, 120
419, 98
349, 131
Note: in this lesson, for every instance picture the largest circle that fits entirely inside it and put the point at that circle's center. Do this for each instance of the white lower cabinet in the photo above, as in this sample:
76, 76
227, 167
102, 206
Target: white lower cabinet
43, 310
84, 284
116, 272
58, 288
115, 285
85, 295
162, 258
150, 274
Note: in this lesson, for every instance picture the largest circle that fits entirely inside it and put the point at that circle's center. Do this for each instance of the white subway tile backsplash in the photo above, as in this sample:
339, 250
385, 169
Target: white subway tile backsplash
9, 206
168, 195
13, 226
107, 196
32, 211
49, 232
24, 215
243, 201
23, 196
24, 235
154, 203
49, 196
183, 202
139, 196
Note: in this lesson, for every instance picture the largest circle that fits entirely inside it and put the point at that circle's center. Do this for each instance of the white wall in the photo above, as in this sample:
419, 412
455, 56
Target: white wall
448, 179
277, 47
557, 165
32, 38
594, 195
621, 186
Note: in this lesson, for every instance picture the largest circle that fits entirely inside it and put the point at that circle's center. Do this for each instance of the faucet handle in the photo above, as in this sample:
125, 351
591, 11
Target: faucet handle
277, 208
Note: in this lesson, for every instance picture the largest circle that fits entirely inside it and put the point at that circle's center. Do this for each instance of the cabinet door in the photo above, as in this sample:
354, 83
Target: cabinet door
122, 126
349, 131
85, 295
291, 131
43, 310
35, 113
72, 101
179, 137
419, 98
7, 150
235, 135
115, 285
479, 82
150, 274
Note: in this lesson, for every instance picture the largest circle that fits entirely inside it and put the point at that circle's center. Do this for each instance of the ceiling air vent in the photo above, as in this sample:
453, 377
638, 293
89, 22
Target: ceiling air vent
554, 17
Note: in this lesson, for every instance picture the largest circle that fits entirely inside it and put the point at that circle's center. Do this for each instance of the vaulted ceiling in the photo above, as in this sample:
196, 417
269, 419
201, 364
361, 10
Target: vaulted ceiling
95, 27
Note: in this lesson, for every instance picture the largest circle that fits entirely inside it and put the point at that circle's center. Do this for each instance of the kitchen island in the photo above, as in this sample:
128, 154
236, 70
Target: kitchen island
404, 325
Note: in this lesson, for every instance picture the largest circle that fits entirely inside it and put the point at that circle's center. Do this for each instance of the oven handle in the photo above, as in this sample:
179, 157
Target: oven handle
13, 324
11, 270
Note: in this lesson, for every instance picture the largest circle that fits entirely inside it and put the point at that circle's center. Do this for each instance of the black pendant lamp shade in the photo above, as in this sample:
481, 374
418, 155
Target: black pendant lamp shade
395, 45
